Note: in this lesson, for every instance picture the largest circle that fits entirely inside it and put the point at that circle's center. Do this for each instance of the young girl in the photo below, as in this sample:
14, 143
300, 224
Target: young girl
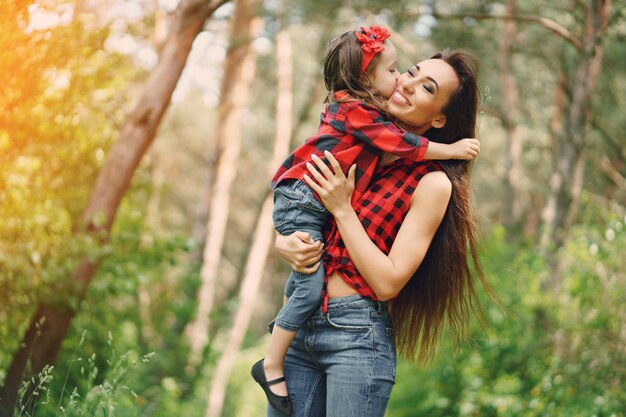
360, 74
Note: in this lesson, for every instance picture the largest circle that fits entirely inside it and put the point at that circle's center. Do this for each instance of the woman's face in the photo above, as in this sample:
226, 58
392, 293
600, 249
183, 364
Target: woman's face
422, 93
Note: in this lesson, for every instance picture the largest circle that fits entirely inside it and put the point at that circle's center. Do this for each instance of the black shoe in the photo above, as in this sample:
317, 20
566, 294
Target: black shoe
279, 402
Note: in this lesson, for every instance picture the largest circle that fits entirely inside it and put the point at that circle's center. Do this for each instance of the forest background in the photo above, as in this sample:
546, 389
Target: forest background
137, 139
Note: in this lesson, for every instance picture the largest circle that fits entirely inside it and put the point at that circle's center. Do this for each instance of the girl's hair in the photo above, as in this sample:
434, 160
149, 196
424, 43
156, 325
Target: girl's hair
443, 288
342, 71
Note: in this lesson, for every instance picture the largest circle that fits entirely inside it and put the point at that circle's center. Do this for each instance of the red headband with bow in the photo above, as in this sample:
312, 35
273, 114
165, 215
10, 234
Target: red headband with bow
371, 39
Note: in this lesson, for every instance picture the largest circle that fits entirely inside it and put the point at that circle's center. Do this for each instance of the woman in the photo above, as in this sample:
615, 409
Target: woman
406, 240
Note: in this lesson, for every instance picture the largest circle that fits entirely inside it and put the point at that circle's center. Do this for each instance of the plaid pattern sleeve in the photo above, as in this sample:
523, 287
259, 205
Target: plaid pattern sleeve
369, 126
355, 134
381, 210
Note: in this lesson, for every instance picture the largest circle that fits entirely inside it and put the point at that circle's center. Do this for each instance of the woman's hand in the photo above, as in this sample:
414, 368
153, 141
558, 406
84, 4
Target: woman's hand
334, 189
300, 251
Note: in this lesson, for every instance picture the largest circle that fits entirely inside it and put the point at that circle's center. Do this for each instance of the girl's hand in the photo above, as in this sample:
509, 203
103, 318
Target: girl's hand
334, 189
466, 149
300, 251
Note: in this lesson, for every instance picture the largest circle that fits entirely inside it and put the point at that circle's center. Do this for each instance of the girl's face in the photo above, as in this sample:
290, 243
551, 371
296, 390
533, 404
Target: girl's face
422, 93
385, 74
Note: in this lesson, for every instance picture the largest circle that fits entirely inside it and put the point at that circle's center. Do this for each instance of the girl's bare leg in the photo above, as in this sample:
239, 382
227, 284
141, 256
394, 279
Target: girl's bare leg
273, 363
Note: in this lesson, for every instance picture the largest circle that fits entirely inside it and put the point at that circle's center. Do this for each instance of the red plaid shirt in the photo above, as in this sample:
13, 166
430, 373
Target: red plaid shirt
381, 209
354, 133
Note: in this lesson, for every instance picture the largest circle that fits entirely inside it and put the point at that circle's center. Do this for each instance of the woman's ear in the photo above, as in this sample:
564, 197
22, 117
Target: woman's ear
439, 121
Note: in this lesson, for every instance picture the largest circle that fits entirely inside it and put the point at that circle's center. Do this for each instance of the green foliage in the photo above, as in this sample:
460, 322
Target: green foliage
55, 129
31, 392
63, 97
94, 392
560, 354
131, 307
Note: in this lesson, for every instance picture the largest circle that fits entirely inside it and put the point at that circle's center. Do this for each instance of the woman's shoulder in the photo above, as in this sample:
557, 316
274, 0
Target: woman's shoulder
434, 184
436, 180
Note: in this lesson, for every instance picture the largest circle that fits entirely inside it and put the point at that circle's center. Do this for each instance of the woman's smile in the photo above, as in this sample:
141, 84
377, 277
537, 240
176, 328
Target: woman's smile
399, 98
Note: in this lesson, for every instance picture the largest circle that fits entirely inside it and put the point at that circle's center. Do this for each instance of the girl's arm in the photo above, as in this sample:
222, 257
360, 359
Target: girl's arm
385, 274
466, 149
370, 127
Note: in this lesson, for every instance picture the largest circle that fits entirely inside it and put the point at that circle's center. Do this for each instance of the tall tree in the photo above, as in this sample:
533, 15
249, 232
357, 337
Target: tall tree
571, 119
49, 324
257, 256
571, 135
239, 71
509, 115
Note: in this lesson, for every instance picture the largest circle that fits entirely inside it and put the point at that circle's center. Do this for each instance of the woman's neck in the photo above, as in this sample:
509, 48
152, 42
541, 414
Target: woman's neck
413, 129
386, 158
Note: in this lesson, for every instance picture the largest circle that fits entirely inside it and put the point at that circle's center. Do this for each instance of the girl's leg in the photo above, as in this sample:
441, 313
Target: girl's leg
295, 208
273, 363
302, 302
305, 381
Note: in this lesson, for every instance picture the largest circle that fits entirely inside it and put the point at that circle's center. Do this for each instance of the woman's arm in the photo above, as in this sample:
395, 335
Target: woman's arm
300, 251
386, 274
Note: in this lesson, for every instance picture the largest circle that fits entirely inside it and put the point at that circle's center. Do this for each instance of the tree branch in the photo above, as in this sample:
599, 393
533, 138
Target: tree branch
613, 174
616, 147
620, 12
545, 22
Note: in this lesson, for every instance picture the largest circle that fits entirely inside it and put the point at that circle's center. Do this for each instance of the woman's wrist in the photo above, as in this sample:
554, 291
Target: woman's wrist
343, 213
299, 251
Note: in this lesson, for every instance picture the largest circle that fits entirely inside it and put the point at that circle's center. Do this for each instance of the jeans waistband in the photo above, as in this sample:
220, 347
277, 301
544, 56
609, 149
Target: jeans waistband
356, 300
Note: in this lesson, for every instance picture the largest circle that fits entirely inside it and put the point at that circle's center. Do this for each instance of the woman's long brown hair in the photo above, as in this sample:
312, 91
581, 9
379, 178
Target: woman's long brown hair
443, 288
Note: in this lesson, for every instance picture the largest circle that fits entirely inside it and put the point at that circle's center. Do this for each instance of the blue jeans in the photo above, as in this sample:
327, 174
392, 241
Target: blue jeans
342, 364
296, 208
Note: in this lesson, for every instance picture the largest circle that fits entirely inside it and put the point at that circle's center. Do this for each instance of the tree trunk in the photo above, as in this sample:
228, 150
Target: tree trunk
571, 137
510, 119
239, 70
247, 297
42, 342
263, 234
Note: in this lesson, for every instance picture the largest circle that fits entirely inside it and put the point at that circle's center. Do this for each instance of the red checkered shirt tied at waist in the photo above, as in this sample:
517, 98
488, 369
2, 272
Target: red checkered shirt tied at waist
381, 210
